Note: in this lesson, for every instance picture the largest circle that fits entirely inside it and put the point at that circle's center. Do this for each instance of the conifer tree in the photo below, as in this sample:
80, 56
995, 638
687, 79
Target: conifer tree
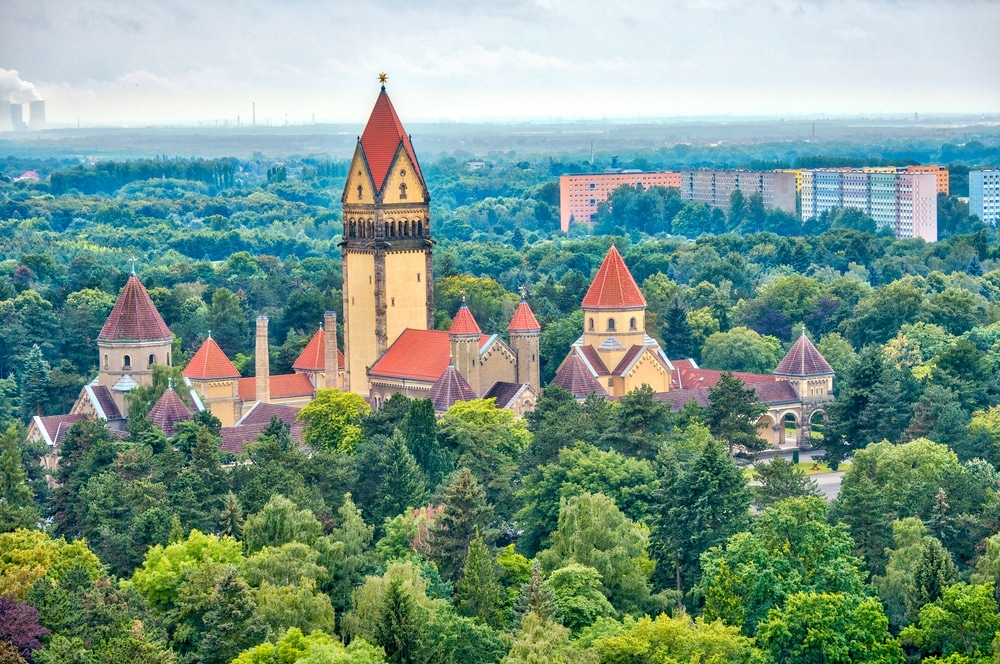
420, 429
347, 553
465, 512
230, 626
933, 571
398, 628
33, 380
678, 341
940, 522
17, 505
862, 506
231, 519
403, 484
537, 597
478, 593
733, 412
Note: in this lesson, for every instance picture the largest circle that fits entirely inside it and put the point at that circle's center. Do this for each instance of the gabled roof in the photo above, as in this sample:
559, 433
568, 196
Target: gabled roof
134, 317
235, 438
282, 386
417, 355
210, 363
803, 359
464, 322
613, 287
450, 387
313, 356
523, 319
54, 427
168, 412
261, 413
505, 393
772, 394
381, 140
574, 376
102, 402
691, 378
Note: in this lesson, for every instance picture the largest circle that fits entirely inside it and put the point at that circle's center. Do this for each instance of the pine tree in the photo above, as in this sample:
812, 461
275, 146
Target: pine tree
940, 524
231, 519
465, 512
678, 341
478, 593
34, 383
347, 553
862, 506
420, 429
733, 412
230, 626
403, 483
398, 628
537, 597
934, 570
17, 504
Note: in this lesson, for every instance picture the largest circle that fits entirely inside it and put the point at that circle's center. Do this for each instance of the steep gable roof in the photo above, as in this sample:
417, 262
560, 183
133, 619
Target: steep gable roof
418, 355
574, 376
464, 322
802, 359
381, 140
281, 386
168, 412
54, 427
450, 387
209, 362
613, 287
134, 317
523, 319
313, 356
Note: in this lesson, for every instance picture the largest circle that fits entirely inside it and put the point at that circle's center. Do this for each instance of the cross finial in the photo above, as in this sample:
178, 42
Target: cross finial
210, 334
463, 296
803, 330
170, 382
133, 259
524, 292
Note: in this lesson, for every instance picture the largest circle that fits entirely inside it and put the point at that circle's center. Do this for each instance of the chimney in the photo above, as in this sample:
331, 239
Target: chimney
36, 120
16, 117
263, 362
330, 368
5, 121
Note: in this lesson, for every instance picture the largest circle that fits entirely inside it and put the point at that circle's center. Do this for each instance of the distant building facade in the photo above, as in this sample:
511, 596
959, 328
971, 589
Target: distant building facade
714, 188
900, 200
984, 195
580, 195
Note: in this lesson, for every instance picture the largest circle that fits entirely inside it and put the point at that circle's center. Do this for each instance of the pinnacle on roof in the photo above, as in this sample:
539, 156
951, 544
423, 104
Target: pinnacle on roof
523, 319
209, 362
464, 322
803, 359
381, 139
313, 356
168, 412
134, 317
450, 387
613, 287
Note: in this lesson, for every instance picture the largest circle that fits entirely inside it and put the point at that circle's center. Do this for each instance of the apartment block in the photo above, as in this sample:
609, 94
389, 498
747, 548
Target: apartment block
984, 195
714, 188
580, 195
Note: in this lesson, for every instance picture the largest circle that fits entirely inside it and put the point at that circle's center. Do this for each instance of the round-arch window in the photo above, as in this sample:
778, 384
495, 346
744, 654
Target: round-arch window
611, 325
105, 360
590, 325
127, 362
631, 324
152, 359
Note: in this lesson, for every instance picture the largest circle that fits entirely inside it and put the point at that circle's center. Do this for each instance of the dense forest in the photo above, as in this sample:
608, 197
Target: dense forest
589, 532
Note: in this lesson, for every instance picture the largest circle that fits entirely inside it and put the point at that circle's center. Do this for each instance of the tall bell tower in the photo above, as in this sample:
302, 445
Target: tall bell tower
386, 251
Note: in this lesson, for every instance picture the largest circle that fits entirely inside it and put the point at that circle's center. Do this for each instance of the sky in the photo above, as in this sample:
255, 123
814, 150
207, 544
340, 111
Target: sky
109, 62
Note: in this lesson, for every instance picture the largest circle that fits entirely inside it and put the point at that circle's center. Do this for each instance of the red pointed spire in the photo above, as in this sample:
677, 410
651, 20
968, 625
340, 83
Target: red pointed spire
449, 388
523, 319
613, 287
464, 322
168, 412
134, 317
209, 362
803, 359
313, 356
381, 140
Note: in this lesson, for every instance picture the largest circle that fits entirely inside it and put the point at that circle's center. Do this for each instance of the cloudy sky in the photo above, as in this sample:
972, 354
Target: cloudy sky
185, 61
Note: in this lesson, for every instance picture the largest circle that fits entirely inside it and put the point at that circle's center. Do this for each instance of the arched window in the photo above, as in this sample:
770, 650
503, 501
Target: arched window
631, 324
359, 191
611, 325
402, 190
420, 228
106, 364
590, 325
168, 359
127, 362
152, 360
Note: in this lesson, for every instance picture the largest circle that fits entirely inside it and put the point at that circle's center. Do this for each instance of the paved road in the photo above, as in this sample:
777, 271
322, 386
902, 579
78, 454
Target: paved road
828, 483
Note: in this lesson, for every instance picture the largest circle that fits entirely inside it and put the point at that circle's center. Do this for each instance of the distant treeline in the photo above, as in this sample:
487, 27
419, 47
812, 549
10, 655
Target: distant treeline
110, 176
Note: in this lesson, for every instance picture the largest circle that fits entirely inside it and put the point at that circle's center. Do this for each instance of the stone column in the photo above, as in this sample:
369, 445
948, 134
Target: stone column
263, 364
330, 369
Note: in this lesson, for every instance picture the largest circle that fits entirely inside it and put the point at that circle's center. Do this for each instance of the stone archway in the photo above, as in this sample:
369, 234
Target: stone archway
767, 430
816, 429
789, 430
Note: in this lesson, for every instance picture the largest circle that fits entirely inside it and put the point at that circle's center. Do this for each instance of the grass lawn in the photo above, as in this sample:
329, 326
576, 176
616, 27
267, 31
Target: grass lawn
805, 466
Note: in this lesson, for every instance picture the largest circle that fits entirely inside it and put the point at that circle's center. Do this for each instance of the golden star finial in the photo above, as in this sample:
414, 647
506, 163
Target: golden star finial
383, 77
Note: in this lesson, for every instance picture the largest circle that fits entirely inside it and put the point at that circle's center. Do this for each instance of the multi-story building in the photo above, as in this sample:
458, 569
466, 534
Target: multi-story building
941, 174
984, 195
714, 188
905, 201
580, 195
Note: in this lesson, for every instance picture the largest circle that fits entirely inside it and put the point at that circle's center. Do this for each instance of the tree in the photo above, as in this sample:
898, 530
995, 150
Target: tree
398, 630
733, 412
675, 638
333, 420
280, 607
229, 622
861, 504
295, 647
540, 640
347, 553
33, 379
593, 532
19, 626
403, 485
17, 503
231, 519
678, 339
578, 596
829, 627
639, 424
933, 571
280, 521
780, 479
964, 621
554, 423
228, 322
465, 513
741, 349
537, 597
908, 537
420, 429
478, 592
29, 555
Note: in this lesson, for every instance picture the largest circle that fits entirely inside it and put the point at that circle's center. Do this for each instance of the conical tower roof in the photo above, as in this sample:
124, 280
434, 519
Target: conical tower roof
313, 356
210, 363
464, 322
450, 387
574, 376
802, 360
613, 287
168, 412
523, 319
382, 138
134, 317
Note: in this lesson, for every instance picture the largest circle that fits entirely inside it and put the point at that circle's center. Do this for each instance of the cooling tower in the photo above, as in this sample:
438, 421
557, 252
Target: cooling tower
16, 119
37, 119
5, 123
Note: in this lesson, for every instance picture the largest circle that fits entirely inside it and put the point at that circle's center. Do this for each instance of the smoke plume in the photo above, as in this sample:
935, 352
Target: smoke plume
17, 90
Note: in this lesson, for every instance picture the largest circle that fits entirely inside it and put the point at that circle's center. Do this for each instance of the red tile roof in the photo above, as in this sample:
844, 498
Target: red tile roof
523, 319
613, 287
234, 439
105, 401
55, 427
210, 363
134, 317
262, 413
776, 393
313, 356
418, 355
282, 386
691, 379
574, 376
464, 322
449, 388
803, 359
168, 412
594, 358
381, 140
